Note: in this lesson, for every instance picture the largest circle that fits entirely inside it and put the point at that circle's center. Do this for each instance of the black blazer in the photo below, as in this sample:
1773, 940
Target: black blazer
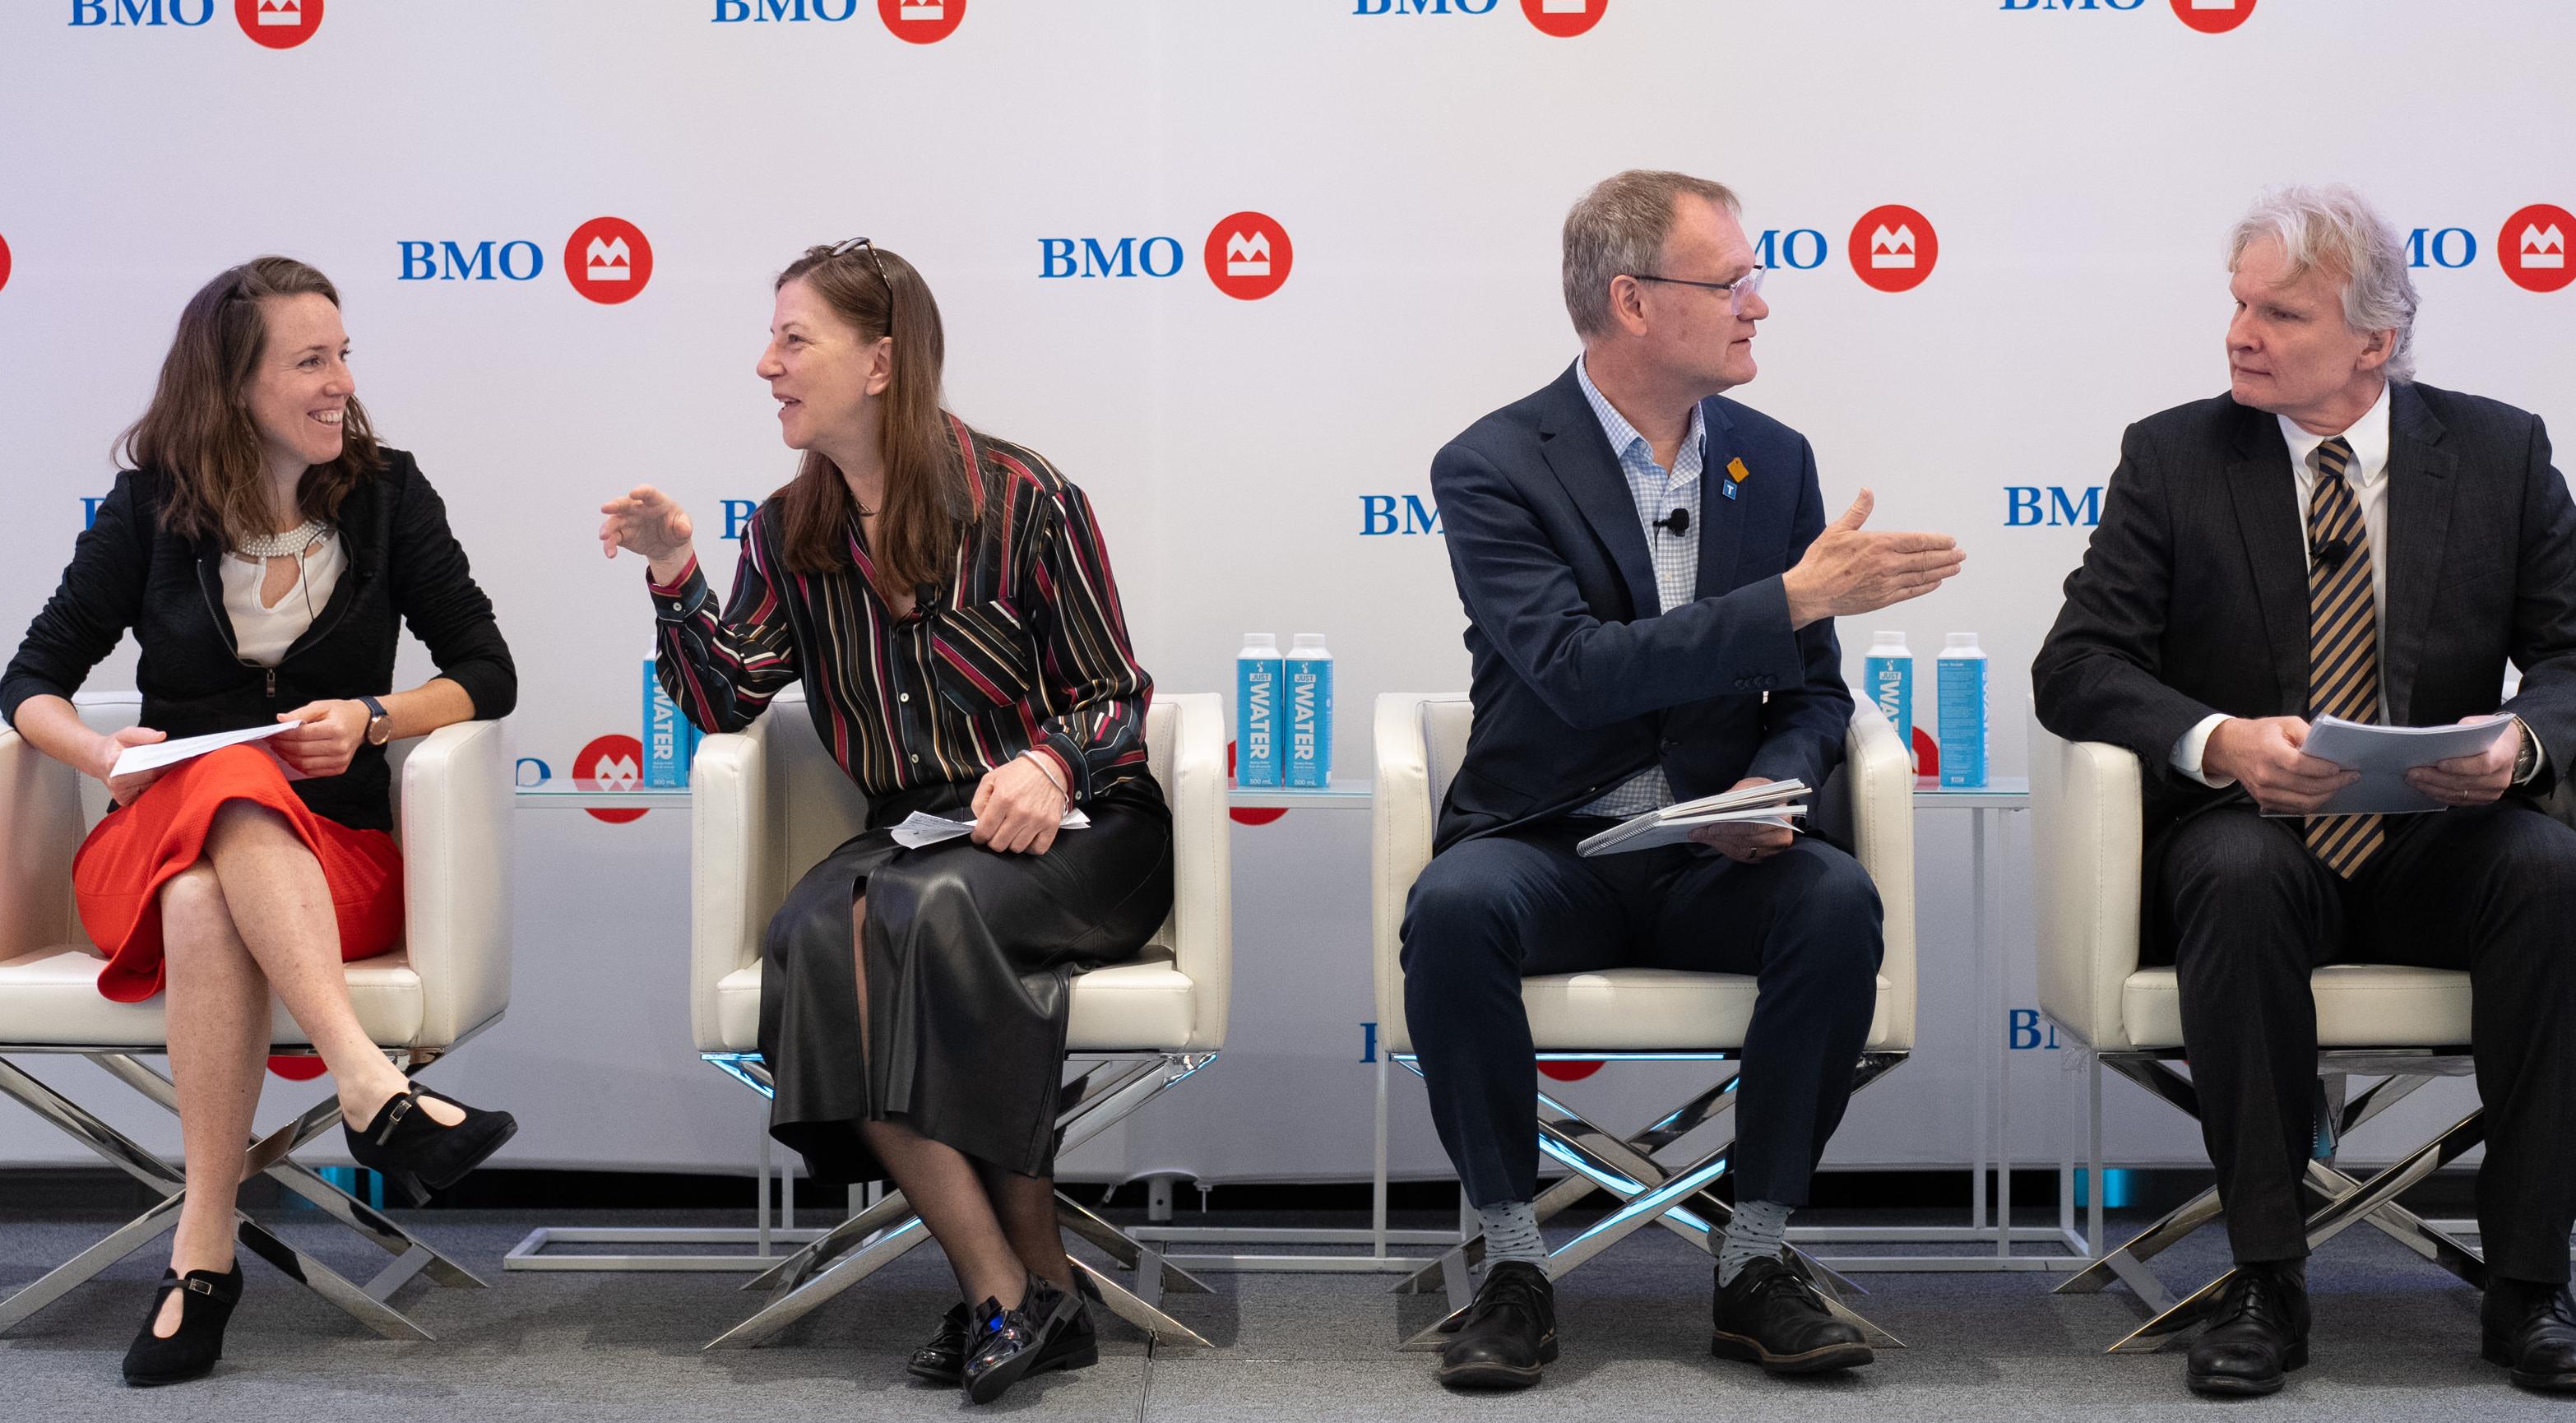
2193, 595
1582, 678
128, 572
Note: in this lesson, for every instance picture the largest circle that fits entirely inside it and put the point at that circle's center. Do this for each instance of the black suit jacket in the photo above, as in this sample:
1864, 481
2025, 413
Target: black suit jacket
1582, 678
2193, 596
130, 573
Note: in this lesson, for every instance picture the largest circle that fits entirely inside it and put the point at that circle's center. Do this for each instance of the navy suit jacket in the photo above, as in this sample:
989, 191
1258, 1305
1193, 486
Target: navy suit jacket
1582, 678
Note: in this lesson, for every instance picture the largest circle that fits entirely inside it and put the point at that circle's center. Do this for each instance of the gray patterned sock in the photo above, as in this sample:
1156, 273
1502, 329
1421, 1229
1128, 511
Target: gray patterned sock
1511, 1233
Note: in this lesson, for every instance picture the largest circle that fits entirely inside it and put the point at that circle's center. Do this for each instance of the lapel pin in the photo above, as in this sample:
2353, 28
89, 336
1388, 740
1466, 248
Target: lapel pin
1736, 474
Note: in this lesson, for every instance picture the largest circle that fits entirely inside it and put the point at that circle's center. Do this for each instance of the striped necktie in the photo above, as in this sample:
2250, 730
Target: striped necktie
2343, 641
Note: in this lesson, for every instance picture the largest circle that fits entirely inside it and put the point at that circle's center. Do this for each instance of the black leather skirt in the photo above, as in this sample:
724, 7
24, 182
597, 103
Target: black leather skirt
970, 954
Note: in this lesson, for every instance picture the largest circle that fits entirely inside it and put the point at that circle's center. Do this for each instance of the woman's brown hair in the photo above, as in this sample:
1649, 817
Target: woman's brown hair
198, 431
928, 498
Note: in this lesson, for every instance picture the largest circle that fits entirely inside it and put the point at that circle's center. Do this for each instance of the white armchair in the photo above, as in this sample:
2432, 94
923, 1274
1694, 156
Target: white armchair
1635, 1012
448, 980
769, 803
2403, 1026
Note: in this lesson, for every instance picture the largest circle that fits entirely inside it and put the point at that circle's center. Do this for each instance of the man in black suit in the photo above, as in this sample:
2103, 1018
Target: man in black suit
1650, 585
2331, 538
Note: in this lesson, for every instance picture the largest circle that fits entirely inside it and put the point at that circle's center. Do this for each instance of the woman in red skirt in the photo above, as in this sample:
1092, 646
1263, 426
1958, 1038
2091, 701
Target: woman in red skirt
264, 551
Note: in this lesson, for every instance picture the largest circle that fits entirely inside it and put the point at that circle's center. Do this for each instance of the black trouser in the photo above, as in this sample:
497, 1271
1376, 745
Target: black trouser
2247, 913
1492, 910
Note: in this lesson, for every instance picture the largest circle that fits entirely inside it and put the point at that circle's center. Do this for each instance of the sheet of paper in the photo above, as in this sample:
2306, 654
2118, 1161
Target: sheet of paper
2384, 754
1646, 832
918, 830
171, 753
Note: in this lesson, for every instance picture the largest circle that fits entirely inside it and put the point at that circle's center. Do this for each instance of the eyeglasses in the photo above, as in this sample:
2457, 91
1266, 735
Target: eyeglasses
1738, 292
842, 248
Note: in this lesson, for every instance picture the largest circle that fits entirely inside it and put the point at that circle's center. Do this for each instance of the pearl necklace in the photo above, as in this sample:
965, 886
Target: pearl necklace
290, 544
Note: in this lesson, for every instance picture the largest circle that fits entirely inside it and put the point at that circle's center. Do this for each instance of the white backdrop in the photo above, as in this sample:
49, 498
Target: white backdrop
2079, 162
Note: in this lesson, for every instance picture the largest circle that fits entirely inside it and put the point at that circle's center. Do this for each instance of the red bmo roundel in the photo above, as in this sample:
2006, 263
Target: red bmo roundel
279, 24
1893, 248
1248, 256
922, 21
2213, 17
4, 263
1565, 18
611, 763
608, 260
2533, 248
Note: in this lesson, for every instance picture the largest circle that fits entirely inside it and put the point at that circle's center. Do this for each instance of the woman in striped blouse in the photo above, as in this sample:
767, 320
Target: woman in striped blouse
947, 602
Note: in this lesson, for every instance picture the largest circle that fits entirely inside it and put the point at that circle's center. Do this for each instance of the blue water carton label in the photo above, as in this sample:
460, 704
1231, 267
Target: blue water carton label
1256, 714
1963, 721
1889, 682
1310, 724
670, 742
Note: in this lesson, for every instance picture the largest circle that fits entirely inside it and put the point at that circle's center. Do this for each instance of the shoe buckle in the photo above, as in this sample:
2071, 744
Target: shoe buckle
402, 1106
203, 1287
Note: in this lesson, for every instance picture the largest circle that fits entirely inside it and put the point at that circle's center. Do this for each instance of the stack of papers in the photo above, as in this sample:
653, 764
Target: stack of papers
918, 829
1771, 803
2384, 754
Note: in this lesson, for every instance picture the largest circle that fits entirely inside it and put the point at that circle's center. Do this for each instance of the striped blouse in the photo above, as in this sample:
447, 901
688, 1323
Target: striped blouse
1024, 649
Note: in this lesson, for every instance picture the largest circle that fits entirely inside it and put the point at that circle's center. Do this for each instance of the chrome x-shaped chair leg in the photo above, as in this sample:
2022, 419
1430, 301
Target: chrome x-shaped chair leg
270, 1156
877, 1236
1677, 1197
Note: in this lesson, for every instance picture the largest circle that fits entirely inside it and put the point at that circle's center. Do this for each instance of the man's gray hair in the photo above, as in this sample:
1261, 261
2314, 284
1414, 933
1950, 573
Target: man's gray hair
2336, 230
1620, 227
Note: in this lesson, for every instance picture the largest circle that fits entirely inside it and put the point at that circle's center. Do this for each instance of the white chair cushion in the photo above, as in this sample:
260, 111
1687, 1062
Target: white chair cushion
50, 997
2359, 1005
1144, 1006
1652, 1010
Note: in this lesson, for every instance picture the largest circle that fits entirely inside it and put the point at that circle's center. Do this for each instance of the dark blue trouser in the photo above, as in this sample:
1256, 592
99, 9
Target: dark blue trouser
1491, 911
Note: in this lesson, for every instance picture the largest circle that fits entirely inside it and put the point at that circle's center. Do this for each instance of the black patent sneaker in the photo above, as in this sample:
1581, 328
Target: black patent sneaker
1770, 1315
1509, 1334
206, 1302
2259, 1333
943, 1359
2530, 1328
1006, 1345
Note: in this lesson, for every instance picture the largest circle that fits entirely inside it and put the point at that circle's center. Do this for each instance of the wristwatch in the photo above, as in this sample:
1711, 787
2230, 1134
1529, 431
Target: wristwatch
380, 723
2526, 760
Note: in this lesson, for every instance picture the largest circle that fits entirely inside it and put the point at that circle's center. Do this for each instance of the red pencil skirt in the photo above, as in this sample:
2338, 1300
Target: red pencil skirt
118, 874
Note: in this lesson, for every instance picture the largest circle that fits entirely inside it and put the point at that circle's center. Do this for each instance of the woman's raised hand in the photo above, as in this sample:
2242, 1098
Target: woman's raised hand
651, 523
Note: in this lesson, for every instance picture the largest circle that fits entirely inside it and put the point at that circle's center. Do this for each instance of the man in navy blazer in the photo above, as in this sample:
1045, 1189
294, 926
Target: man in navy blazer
1650, 585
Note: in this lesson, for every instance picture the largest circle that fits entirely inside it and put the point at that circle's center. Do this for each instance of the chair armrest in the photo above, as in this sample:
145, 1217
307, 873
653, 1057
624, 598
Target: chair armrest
456, 828
1202, 864
40, 823
2087, 847
733, 857
1402, 819
1879, 778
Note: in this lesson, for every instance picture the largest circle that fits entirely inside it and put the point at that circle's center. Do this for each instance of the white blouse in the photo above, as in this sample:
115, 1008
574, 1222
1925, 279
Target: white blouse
263, 633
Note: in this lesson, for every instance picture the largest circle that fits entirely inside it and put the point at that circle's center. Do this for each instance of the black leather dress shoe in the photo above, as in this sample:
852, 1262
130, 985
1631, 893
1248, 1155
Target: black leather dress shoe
2259, 1333
1010, 1344
943, 1359
1075, 1346
1509, 1334
1770, 1315
2530, 1328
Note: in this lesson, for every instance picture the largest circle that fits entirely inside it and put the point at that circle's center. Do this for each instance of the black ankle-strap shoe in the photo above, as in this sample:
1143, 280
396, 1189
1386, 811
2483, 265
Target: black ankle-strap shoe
415, 1154
206, 1301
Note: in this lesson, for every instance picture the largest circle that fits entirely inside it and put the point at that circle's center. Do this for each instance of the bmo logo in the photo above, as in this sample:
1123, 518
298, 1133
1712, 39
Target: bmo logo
1247, 256
1563, 19
4, 264
611, 763
606, 259
2533, 248
1894, 248
2211, 17
277, 24
913, 21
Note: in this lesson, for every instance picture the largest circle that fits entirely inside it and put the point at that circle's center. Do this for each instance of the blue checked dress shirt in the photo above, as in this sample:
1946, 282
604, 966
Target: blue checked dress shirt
1658, 493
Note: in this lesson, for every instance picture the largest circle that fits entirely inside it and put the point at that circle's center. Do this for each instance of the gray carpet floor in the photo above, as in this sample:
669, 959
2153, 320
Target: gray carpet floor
2395, 1340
